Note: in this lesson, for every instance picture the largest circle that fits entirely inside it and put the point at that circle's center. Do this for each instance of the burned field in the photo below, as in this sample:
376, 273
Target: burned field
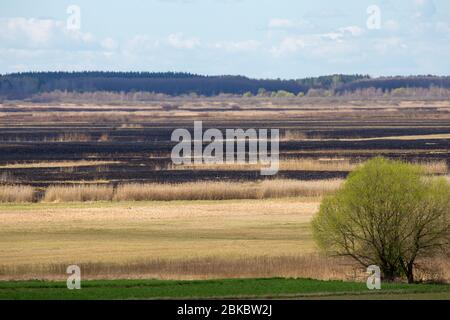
42, 145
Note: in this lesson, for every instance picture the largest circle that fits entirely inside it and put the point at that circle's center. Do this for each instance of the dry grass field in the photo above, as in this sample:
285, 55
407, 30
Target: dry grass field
172, 240
135, 232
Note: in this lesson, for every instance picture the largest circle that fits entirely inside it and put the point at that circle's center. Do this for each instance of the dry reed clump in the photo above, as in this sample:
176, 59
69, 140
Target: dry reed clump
78, 193
16, 193
331, 164
435, 270
169, 192
312, 266
71, 137
225, 190
434, 167
293, 135
104, 137
296, 188
186, 191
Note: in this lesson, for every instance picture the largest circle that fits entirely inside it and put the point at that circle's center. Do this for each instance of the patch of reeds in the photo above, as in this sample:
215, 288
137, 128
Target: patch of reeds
16, 193
78, 193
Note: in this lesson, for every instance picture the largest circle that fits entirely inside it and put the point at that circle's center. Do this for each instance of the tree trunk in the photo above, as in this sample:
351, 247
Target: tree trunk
410, 273
388, 275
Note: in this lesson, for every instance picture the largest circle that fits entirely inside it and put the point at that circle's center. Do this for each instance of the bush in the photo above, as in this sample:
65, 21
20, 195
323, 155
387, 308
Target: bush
387, 213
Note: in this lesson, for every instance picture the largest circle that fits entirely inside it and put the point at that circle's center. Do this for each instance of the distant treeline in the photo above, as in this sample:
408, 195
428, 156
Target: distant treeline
23, 85
26, 85
392, 83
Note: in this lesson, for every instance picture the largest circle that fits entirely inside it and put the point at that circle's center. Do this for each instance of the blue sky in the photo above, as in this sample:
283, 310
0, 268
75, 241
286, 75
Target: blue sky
257, 38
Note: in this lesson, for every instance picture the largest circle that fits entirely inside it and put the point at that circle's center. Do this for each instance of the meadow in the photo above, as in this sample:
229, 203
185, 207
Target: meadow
173, 240
130, 234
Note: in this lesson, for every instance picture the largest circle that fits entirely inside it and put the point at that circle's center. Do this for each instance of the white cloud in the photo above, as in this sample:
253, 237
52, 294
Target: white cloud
109, 44
22, 32
390, 45
320, 43
82, 37
333, 35
179, 41
281, 23
237, 46
139, 44
288, 45
424, 9
34, 31
391, 25
354, 31
350, 31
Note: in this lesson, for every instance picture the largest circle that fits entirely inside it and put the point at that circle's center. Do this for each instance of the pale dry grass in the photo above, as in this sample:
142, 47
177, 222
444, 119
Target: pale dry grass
296, 188
433, 270
226, 190
173, 240
71, 137
299, 164
312, 266
120, 232
309, 164
104, 137
221, 109
131, 126
332, 164
186, 191
57, 164
78, 193
434, 167
439, 136
295, 136
16, 193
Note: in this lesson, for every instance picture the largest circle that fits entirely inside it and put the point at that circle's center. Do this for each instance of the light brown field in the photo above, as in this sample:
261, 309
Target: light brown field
123, 232
171, 240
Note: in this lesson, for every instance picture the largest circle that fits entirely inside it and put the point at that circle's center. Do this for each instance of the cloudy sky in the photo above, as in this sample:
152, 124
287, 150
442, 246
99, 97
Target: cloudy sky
257, 38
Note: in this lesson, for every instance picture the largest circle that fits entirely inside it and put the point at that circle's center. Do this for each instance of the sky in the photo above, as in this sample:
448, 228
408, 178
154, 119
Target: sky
286, 39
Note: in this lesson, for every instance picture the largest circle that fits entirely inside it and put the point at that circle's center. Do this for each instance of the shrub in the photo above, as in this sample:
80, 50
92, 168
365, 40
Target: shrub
389, 214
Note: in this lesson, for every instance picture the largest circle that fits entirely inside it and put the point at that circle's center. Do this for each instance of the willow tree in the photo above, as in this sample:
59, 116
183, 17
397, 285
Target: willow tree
387, 213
